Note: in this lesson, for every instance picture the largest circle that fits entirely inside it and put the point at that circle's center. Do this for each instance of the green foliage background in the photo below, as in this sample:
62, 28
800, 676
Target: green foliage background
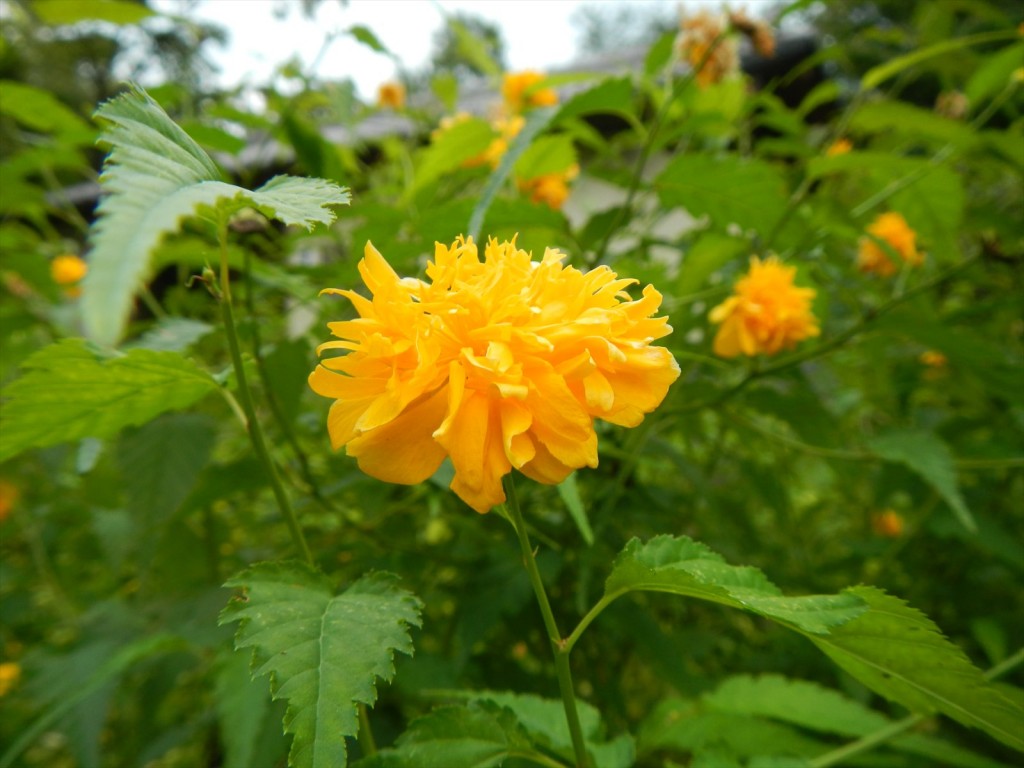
131, 493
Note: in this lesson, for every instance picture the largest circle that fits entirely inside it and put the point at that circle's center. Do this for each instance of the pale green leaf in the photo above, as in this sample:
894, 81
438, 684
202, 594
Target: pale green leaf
705, 257
924, 453
535, 123
366, 36
323, 651
875, 76
681, 566
547, 154
995, 74
473, 49
570, 494
727, 189
898, 652
67, 392
452, 147
172, 334
455, 737
611, 96
154, 177
39, 110
73, 11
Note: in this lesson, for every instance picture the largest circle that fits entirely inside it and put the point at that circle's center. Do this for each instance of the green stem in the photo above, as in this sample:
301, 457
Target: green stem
366, 741
558, 645
604, 602
245, 396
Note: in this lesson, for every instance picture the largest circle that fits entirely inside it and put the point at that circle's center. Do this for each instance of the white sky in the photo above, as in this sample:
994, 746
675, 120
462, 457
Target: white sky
537, 33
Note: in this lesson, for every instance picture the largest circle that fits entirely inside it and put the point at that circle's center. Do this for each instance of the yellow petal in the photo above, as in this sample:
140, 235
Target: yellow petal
403, 450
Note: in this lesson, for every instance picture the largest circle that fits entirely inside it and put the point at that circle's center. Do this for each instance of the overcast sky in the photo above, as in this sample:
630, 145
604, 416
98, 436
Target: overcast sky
538, 34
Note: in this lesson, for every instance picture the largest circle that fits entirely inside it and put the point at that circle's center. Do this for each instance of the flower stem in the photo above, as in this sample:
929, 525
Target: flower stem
245, 396
558, 645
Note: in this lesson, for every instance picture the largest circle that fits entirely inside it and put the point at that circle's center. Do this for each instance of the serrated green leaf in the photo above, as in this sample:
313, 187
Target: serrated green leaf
480, 736
898, 652
925, 454
543, 720
681, 566
323, 651
812, 706
74, 11
682, 726
155, 176
727, 189
67, 392
799, 702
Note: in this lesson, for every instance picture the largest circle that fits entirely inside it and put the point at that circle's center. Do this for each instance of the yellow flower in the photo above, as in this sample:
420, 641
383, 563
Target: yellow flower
839, 147
391, 94
9, 494
520, 91
10, 673
697, 34
552, 189
892, 229
888, 523
933, 359
766, 313
508, 128
68, 269
499, 363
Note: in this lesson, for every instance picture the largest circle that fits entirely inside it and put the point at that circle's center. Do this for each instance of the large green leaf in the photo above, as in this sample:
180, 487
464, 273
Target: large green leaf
160, 464
877, 75
40, 110
727, 189
924, 453
685, 567
154, 177
898, 652
452, 147
455, 737
322, 650
816, 708
106, 671
68, 392
891, 648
